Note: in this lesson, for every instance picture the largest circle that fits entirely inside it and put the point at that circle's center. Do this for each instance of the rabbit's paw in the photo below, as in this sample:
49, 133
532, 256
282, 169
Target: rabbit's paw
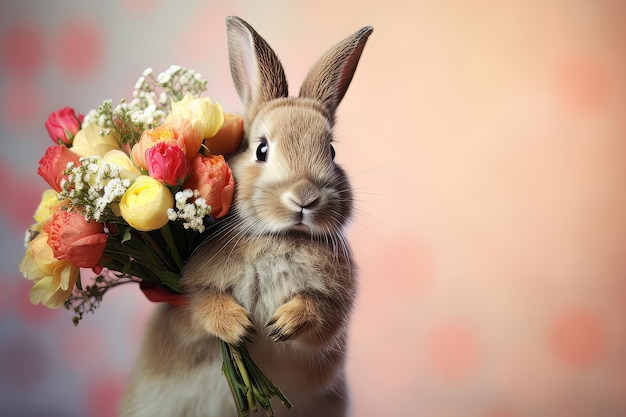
222, 316
294, 318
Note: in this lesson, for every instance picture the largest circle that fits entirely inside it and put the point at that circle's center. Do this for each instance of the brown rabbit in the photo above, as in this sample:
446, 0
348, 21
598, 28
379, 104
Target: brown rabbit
280, 273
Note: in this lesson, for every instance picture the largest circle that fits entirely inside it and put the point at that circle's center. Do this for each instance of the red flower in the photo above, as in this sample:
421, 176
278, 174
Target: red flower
54, 162
75, 239
167, 163
212, 177
63, 124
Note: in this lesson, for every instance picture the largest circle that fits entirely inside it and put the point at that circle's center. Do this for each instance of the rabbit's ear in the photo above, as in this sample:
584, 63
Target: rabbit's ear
256, 70
330, 77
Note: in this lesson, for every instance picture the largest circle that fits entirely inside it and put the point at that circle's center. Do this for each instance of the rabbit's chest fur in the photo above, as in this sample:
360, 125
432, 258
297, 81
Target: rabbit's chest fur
262, 274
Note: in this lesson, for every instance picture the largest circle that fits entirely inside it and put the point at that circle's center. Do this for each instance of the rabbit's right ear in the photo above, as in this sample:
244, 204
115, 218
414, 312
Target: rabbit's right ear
256, 70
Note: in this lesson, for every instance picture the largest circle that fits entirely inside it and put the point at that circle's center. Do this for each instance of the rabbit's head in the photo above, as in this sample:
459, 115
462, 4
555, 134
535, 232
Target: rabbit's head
285, 174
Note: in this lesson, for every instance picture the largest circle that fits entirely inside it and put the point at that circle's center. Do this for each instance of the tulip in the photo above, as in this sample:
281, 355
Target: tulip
62, 125
144, 205
213, 179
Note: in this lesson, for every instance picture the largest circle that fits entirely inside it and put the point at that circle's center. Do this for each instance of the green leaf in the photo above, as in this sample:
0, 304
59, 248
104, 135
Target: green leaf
127, 236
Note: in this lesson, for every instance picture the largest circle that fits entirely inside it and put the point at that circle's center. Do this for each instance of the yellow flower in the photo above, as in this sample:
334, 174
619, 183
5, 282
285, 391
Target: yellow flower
89, 142
54, 279
120, 158
48, 205
202, 112
144, 205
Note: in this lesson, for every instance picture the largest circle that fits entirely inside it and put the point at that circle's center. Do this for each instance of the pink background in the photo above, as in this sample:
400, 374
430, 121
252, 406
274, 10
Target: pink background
487, 146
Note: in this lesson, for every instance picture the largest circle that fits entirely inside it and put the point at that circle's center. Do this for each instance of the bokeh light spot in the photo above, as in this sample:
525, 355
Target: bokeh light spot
103, 395
22, 49
453, 350
81, 48
582, 84
577, 337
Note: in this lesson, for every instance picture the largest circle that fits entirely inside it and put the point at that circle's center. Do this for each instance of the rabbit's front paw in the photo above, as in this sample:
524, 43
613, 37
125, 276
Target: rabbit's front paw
294, 318
225, 318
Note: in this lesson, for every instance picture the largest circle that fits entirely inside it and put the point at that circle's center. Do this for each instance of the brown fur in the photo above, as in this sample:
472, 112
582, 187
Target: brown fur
279, 274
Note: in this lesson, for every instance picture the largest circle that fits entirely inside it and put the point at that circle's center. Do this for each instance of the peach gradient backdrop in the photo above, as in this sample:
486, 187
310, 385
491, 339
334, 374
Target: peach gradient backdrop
487, 144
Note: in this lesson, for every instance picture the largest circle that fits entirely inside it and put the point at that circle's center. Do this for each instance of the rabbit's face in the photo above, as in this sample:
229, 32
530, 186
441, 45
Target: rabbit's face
286, 179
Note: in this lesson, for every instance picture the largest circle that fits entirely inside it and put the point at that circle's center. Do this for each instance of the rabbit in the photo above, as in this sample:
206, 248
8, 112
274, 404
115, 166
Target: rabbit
280, 273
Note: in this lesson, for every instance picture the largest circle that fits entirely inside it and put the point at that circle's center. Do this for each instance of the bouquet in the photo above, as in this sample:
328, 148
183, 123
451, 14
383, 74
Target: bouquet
134, 189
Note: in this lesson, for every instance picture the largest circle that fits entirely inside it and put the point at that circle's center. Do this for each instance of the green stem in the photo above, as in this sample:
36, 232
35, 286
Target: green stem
246, 379
166, 231
157, 249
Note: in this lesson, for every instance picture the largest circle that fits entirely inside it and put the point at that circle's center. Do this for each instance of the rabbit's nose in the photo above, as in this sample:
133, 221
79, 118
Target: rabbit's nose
302, 195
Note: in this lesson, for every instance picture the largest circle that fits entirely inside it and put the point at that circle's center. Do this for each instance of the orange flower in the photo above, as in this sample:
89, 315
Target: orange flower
149, 138
212, 177
188, 135
228, 139
75, 239
175, 132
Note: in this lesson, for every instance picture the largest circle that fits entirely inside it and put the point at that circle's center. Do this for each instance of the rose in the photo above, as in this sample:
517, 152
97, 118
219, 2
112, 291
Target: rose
53, 164
167, 163
144, 205
149, 138
63, 124
213, 179
89, 141
75, 239
203, 114
228, 139
54, 279
177, 131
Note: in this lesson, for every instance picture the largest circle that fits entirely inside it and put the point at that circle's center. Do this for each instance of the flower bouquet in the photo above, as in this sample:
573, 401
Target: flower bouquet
135, 188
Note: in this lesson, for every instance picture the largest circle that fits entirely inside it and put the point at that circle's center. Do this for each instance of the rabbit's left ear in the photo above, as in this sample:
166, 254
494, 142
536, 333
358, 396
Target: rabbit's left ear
257, 72
330, 77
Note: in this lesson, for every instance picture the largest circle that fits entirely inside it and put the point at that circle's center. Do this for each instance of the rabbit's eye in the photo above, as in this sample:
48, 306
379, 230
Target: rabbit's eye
261, 150
332, 152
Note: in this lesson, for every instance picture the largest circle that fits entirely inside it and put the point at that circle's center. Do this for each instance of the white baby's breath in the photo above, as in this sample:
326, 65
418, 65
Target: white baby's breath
93, 187
191, 213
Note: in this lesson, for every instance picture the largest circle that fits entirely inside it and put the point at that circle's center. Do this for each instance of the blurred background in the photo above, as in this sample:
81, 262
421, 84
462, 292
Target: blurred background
486, 141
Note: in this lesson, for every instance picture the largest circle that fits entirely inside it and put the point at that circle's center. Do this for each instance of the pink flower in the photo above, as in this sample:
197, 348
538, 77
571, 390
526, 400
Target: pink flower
175, 131
75, 239
54, 162
63, 124
167, 163
212, 177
